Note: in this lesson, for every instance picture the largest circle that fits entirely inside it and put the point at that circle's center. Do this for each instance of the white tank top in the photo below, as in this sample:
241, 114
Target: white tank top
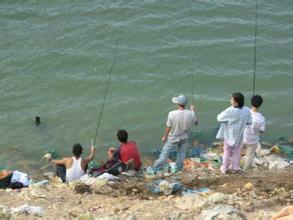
75, 171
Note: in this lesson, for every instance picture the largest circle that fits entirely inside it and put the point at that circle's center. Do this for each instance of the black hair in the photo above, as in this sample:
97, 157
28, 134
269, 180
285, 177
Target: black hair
37, 120
256, 101
122, 135
239, 98
77, 149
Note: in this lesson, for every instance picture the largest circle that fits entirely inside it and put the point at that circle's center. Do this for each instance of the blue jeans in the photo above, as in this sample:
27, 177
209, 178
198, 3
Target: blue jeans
165, 154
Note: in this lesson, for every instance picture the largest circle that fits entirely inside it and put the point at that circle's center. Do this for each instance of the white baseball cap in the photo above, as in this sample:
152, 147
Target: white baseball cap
180, 100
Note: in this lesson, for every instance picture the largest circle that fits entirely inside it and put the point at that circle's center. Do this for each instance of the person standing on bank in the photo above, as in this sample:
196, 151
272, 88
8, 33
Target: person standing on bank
177, 132
251, 136
233, 122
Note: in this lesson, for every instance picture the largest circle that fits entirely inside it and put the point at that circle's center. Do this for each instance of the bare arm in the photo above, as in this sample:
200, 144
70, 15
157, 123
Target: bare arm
91, 156
167, 131
59, 162
192, 108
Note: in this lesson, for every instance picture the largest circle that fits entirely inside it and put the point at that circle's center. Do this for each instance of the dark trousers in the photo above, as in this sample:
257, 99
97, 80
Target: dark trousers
61, 172
5, 182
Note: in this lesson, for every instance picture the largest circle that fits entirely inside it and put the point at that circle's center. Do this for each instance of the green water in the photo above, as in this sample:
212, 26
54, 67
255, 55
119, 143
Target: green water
55, 57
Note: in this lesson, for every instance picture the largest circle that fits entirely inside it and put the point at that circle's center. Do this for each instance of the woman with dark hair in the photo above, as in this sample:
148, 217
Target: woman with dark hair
233, 121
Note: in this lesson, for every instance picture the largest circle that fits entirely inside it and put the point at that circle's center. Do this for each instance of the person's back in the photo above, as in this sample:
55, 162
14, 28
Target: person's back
252, 132
129, 151
180, 121
72, 168
75, 171
233, 121
251, 136
177, 132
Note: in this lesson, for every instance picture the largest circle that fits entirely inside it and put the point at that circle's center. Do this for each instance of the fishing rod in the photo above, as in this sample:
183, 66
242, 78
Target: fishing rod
190, 55
255, 44
106, 90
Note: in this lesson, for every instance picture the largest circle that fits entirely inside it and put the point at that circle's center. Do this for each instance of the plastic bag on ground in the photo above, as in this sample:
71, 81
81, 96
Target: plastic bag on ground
163, 186
191, 192
222, 212
27, 209
20, 177
97, 181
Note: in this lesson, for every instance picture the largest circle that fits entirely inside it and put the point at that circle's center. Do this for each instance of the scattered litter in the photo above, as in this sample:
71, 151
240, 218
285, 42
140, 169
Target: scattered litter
272, 162
287, 150
49, 175
129, 173
192, 164
107, 176
164, 187
191, 192
20, 177
173, 167
222, 212
27, 209
41, 183
150, 171
86, 179
263, 152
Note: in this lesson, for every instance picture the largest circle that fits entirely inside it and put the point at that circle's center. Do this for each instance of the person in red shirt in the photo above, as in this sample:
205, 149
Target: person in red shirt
127, 151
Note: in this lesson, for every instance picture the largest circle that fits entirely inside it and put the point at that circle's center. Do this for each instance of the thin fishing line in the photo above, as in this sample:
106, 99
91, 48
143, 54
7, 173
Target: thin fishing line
255, 47
190, 52
107, 89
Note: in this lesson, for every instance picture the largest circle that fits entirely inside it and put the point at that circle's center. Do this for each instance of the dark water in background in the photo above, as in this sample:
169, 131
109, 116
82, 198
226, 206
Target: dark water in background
55, 58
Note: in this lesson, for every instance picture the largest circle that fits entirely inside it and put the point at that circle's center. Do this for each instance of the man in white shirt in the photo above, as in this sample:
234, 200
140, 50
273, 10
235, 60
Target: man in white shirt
253, 131
75, 166
177, 132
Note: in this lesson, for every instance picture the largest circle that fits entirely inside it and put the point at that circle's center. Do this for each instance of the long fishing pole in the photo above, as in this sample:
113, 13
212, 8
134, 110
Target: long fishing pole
190, 54
106, 90
255, 46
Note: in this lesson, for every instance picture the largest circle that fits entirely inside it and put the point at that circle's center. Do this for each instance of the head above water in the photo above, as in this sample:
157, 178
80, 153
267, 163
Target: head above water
256, 101
180, 100
122, 135
37, 120
237, 100
77, 150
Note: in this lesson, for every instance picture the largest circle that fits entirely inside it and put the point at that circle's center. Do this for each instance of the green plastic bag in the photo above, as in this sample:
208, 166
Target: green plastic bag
54, 154
287, 150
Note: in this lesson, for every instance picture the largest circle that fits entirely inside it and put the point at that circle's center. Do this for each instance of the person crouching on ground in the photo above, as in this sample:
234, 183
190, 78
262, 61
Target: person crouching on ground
177, 132
253, 131
127, 153
233, 121
72, 168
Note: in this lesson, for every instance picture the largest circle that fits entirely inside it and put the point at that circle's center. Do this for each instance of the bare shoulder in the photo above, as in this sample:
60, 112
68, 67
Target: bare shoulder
68, 161
67, 158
